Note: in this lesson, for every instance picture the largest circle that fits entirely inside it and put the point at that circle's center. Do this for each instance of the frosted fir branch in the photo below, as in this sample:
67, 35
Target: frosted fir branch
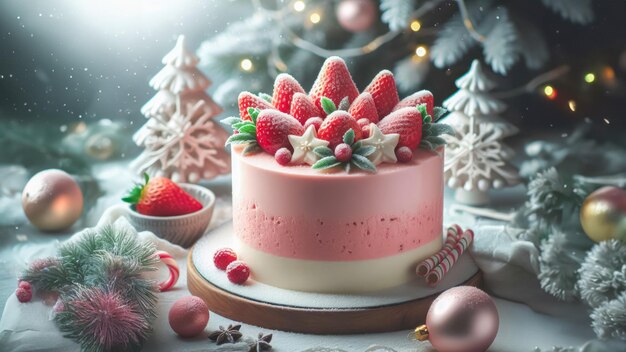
577, 11
396, 13
558, 266
603, 273
609, 319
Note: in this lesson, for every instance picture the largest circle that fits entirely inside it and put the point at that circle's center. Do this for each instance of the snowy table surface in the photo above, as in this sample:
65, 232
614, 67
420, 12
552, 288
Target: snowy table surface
521, 328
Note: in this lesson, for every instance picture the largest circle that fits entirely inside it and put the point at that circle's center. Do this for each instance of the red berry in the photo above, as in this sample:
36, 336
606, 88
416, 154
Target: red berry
417, 98
303, 108
407, 122
336, 125
285, 87
248, 100
343, 152
273, 129
364, 108
404, 154
333, 82
23, 295
315, 121
283, 156
25, 285
223, 257
238, 272
383, 90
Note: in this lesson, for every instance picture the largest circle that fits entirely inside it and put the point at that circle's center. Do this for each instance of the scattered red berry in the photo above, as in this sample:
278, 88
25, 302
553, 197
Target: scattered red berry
315, 121
364, 108
25, 285
404, 154
417, 98
407, 122
223, 257
273, 129
160, 196
285, 87
23, 295
283, 156
303, 108
238, 272
334, 82
383, 90
343, 152
336, 125
248, 100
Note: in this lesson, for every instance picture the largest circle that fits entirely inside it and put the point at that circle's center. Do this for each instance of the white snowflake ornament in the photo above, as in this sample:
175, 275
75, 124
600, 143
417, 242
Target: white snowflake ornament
303, 147
384, 144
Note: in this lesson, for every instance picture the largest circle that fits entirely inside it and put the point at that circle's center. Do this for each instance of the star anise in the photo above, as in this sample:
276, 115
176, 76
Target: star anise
262, 343
230, 334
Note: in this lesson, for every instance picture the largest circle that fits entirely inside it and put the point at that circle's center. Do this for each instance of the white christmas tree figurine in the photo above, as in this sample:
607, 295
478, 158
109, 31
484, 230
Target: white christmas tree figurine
180, 139
476, 160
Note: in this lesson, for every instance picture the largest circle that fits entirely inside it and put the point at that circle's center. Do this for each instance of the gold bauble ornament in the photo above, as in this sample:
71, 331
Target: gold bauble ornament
603, 214
52, 200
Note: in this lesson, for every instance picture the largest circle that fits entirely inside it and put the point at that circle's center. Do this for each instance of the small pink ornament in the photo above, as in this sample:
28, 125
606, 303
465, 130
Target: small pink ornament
25, 285
188, 316
283, 156
404, 154
23, 295
343, 152
356, 15
461, 319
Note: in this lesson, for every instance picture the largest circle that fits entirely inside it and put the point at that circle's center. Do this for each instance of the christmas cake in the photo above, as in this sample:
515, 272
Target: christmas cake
336, 190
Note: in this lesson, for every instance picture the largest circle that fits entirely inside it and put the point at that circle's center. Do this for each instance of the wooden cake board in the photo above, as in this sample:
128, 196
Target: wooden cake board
267, 311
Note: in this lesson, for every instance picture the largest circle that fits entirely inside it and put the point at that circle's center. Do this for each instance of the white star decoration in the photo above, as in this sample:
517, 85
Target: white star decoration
385, 145
303, 147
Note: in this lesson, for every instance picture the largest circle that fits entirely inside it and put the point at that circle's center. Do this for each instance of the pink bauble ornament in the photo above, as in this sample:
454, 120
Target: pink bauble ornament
461, 319
356, 15
52, 200
188, 316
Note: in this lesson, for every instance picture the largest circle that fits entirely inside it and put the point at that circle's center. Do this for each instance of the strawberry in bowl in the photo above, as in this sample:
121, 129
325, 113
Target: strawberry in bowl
179, 213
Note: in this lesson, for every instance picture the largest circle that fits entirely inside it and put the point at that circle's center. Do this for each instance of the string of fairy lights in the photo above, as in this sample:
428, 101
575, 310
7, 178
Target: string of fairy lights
314, 15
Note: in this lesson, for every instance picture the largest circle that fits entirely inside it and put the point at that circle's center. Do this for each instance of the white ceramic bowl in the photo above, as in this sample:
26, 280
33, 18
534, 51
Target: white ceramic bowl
183, 230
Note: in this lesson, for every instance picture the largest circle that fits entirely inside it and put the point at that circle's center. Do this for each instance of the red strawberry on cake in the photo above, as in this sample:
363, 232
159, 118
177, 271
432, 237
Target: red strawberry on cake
273, 129
364, 107
303, 108
407, 122
336, 125
383, 90
417, 98
248, 100
285, 86
160, 196
334, 82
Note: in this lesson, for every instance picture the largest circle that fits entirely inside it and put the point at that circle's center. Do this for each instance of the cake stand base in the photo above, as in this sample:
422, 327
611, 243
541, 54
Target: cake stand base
401, 308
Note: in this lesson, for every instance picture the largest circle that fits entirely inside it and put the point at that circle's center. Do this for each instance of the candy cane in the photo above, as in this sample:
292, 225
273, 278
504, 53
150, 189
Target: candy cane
168, 260
437, 274
452, 237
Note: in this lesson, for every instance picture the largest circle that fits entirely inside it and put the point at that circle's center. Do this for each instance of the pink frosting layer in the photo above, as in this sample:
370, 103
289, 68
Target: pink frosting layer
301, 213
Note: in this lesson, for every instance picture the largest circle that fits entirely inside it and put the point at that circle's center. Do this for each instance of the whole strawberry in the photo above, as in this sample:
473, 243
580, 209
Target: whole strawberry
248, 100
302, 108
407, 122
364, 108
383, 90
336, 125
417, 98
334, 82
273, 129
160, 196
285, 86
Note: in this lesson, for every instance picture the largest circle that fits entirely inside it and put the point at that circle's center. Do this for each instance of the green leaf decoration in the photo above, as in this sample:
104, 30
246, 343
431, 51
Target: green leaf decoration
356, 145
363, 163
422, 109
438, 113
438, 129
424, 144
348, 137
247, 128
238, 125
328, 105
427, 119
344, 104
241, 138
266, 97
323, 152
436, 140
251, 148
231, 120
365, 151
254, 113
326, 163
